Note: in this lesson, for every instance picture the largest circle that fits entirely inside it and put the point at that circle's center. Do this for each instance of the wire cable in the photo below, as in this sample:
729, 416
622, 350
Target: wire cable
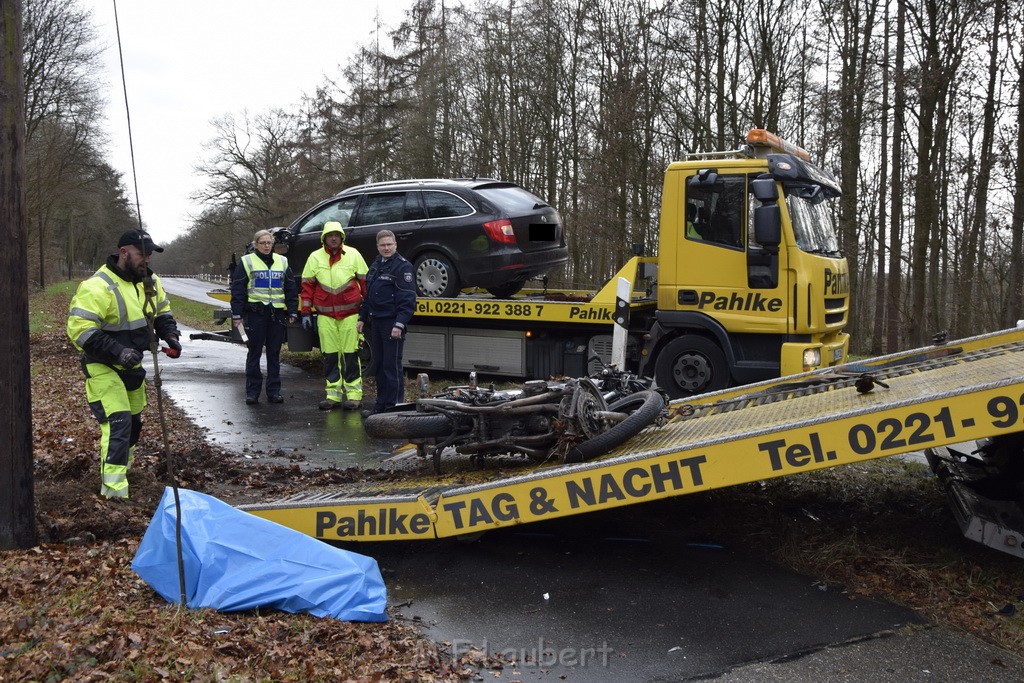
128, 116
149, 308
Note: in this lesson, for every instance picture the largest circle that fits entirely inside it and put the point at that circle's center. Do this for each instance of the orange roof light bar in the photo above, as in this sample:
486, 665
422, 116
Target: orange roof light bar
763, 138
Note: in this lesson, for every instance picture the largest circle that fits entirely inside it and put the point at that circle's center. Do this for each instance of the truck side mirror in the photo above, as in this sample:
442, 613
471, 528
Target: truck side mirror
768, 226
765, 190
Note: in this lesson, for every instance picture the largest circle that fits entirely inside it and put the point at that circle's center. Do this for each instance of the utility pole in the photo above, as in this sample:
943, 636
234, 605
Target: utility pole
17, 501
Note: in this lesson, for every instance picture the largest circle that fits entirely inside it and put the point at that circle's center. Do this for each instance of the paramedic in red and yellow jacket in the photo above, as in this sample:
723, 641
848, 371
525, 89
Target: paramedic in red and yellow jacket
334, 283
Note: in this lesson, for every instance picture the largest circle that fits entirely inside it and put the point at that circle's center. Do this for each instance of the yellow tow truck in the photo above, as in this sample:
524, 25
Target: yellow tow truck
741, 319
748, 284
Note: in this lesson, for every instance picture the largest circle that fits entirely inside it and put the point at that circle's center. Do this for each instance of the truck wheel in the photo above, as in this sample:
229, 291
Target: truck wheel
367, 361
436, 276
407, 425
643, 407
691, 365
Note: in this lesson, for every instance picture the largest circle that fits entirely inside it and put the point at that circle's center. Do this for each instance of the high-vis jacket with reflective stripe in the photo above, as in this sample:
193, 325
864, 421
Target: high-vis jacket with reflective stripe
108, 313
334, 286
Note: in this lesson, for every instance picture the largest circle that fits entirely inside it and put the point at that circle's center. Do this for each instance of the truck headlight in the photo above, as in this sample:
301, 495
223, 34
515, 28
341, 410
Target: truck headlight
812, 358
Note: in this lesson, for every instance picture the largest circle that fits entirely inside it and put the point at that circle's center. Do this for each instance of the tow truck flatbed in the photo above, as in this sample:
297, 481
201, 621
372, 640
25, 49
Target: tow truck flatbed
921, 399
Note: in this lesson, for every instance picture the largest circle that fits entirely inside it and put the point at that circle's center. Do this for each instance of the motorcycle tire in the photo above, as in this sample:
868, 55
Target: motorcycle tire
407, 425
646, 407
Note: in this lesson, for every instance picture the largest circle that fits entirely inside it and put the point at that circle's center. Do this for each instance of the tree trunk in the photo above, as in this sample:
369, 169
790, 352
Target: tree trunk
895, 282
878, 319
17, 504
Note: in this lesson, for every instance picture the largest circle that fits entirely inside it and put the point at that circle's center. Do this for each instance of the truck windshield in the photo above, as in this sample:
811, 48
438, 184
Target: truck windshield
813, 225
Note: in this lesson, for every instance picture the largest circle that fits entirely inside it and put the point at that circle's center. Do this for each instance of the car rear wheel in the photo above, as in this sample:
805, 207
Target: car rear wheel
436, 276
506, 291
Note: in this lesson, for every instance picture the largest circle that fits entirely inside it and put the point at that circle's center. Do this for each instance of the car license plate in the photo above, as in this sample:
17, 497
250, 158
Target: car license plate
837, 354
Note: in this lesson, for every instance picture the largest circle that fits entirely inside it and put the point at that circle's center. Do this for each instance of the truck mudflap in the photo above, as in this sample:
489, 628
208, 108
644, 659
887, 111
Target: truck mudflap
985, 489
793, 425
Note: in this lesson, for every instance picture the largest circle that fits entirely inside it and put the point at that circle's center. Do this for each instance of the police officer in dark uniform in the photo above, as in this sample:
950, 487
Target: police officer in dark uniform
387, 309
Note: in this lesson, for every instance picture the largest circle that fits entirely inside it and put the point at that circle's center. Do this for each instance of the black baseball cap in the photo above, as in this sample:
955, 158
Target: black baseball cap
137, 238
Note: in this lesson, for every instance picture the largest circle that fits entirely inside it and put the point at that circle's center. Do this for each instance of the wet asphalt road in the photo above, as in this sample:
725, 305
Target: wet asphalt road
623, 595
208, 381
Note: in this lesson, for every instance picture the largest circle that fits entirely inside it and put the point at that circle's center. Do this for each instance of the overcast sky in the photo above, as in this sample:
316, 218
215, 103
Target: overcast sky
190, 61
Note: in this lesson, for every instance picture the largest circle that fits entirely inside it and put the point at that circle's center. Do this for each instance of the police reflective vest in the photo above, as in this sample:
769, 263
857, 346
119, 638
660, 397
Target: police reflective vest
266, 283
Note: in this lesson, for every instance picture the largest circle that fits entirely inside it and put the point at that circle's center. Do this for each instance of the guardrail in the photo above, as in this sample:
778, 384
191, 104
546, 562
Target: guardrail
206, 277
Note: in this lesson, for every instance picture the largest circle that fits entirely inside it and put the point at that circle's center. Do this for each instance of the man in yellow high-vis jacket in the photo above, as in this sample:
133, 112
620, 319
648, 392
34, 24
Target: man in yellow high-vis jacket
107, 323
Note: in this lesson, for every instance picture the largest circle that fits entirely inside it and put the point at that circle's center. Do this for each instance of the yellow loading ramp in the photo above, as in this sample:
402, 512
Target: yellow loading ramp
937, 396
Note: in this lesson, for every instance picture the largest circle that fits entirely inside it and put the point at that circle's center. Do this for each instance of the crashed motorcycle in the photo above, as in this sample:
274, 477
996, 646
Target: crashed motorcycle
570, 420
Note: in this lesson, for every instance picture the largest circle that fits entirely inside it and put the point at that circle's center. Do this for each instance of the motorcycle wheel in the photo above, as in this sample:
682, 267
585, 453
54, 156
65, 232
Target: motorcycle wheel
644, 408
407, 425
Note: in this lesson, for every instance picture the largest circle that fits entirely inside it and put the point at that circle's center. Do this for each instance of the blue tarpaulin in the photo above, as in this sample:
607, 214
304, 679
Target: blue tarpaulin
237, 561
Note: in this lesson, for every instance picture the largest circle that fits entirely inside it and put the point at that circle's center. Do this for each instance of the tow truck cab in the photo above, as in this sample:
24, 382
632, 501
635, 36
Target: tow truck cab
751, 282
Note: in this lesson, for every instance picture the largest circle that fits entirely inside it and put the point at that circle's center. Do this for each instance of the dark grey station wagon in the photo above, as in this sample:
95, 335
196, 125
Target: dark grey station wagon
458, 233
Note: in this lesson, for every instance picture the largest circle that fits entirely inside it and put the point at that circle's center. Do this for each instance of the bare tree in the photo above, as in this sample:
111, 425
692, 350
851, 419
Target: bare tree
851, 24
251, 167
61, 104
586, 101
1013, 309
941, 29
878, 319
965, 307
60, 60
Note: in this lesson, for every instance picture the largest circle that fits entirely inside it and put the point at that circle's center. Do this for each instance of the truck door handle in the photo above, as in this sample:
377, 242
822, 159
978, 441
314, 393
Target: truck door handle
688, 297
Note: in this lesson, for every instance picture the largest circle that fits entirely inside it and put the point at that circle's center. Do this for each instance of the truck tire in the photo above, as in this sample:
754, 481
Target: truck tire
436, 276
407, 425
691, 365
644, 408
367, 361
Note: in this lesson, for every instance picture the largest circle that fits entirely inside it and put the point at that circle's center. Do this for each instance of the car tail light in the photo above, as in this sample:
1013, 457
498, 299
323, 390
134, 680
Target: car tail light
500, 231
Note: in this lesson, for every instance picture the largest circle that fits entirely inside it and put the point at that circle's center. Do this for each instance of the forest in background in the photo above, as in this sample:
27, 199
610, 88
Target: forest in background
915, 105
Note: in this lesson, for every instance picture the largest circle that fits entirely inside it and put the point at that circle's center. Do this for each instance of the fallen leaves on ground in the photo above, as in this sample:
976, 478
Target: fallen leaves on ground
73, 609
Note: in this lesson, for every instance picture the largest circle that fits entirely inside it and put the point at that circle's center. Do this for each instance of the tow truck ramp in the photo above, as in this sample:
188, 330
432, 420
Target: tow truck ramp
926, 399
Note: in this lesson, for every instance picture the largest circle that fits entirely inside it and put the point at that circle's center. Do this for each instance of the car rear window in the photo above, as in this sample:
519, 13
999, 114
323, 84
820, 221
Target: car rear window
511, 198
389, 207
445, 205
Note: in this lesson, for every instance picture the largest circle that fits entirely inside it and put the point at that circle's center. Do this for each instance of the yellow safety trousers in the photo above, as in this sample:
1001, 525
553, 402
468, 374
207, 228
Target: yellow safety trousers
339, 344
119, 412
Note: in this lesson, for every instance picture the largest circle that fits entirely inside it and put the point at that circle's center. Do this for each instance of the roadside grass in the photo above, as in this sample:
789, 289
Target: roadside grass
48, 308
195, 314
